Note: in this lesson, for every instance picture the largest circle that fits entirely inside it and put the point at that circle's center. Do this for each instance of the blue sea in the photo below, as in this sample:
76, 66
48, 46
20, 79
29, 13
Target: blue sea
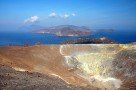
122, 37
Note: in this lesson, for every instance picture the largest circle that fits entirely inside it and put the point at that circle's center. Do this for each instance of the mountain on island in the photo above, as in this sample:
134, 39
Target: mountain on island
65, 30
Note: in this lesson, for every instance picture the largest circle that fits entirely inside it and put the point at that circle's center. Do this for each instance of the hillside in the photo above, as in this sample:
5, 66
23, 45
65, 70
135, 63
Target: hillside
12, 79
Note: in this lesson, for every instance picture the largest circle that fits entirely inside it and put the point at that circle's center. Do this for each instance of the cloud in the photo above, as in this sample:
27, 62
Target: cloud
73, 14
53, 14
32, 19
65, 16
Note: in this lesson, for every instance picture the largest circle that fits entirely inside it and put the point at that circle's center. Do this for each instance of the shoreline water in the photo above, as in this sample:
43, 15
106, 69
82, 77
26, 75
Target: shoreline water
33, 38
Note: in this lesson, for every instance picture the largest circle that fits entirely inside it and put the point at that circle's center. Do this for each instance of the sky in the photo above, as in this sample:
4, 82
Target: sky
96, 14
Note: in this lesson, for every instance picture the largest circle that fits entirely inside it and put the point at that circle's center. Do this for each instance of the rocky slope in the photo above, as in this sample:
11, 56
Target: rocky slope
11, 79
97, 67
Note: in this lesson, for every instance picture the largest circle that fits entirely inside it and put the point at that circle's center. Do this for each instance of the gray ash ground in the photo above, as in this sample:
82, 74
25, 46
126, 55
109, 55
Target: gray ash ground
16, 80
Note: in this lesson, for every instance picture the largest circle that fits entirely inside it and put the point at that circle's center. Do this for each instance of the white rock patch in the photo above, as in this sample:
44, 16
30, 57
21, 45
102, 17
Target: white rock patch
19, 69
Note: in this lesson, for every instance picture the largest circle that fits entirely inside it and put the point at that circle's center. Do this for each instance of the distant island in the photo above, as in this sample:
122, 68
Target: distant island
65, 30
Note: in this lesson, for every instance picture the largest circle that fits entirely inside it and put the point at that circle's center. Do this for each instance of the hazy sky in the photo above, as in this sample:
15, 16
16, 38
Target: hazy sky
118, 14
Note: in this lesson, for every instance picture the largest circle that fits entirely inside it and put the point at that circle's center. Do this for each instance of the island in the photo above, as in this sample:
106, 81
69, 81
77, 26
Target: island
65, 30
100, 40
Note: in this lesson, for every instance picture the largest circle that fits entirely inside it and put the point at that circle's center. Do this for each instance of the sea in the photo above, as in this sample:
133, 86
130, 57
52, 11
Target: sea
12, 38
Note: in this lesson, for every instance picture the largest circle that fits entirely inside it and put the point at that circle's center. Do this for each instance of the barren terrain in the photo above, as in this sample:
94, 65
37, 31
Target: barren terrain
93, 67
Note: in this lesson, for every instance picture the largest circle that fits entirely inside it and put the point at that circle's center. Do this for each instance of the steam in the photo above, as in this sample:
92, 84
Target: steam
94, 67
